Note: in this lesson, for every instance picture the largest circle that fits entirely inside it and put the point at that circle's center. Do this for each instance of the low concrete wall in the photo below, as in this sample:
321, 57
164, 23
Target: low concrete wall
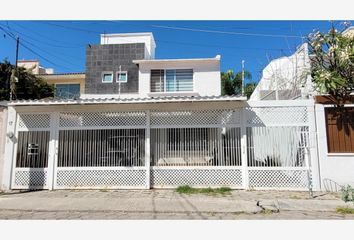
3, 121
336, 170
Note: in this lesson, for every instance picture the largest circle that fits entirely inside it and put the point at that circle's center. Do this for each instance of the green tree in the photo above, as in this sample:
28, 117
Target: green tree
249, 88
231, 83
332, 64
29, 86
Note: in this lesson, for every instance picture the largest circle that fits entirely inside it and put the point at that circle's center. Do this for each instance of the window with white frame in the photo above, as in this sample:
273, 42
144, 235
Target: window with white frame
122, 76
171, 80
70, 90
107, 77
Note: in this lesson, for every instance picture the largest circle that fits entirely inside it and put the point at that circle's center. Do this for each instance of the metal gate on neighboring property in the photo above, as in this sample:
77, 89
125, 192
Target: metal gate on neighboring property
261, 146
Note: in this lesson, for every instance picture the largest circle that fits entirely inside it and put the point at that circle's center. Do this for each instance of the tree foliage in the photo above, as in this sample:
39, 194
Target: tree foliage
29, 86
231, 83
332, 64
249, 88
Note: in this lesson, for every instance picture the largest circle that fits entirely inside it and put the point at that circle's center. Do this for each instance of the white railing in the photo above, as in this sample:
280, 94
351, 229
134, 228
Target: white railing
101, 148
196, 147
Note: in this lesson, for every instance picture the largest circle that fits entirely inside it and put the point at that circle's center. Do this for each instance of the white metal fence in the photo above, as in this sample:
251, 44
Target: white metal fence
260, 146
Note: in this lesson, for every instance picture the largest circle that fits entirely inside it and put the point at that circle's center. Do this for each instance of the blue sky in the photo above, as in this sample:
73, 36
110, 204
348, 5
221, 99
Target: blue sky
61, 44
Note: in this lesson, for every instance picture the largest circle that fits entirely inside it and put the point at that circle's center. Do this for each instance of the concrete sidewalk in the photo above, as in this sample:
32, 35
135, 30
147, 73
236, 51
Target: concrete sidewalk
168, 204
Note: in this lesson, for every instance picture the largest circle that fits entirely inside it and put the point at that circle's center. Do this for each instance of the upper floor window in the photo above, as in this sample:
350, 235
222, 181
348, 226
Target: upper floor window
171, 80
122, 76
107, 77
67, 90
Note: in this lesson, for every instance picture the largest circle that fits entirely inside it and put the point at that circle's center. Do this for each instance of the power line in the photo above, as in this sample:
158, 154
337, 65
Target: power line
167, 41
48, 38
32, 51
67, 27
44, 42
224, 32
184, 43
213, 31
41, 49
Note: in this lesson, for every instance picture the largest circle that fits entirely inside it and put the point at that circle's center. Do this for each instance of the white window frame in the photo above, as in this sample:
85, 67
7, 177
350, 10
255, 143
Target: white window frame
107, 72
69, 83
120, 72
164, 79
180, 68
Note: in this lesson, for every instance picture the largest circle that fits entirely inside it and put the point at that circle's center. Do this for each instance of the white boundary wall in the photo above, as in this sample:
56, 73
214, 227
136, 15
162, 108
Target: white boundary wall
336, 169
3, 121
251, 114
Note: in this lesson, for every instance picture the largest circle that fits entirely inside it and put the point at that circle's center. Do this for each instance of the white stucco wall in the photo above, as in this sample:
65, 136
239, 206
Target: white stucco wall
3, 122
206, 75
123, 38
335, 169
288, 74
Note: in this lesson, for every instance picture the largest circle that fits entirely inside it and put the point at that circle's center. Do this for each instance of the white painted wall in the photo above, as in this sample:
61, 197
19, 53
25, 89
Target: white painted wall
289, 73
206, 75
335, 169
123, 38
3, 123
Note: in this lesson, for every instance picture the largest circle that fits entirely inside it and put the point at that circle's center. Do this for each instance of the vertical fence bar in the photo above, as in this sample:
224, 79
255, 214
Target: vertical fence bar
245, 182
147, 149
53, 150
313, 147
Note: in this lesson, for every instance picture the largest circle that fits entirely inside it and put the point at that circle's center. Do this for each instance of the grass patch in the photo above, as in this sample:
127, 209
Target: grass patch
239, 213
104, 190
211, 191
294, 197
345, 210
266, 211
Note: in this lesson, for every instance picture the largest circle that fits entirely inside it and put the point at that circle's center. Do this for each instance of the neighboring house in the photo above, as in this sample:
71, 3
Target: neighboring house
144, 122
335, 136
67, 85
288, 78
349, 32
34, 66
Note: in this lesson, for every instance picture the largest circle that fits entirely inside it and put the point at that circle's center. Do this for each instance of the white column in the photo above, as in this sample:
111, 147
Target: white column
10, 141
53, 149
245, 181
147, 149
314, 156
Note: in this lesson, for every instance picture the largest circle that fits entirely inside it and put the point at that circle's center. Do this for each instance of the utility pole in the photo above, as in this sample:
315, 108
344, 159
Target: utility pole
243, 77
14, 73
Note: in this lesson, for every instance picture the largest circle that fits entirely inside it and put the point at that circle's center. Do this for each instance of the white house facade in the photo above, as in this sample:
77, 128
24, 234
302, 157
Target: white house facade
157, 123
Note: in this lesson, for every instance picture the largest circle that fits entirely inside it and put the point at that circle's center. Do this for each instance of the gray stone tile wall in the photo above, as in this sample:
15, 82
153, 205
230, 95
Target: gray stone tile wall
100, 58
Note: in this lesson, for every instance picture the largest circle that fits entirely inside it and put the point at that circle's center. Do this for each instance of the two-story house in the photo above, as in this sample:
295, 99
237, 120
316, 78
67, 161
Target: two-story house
124, 66
140, 122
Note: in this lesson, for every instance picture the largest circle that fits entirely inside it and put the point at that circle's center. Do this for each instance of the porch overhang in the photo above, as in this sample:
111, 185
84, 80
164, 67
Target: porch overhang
149, 100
